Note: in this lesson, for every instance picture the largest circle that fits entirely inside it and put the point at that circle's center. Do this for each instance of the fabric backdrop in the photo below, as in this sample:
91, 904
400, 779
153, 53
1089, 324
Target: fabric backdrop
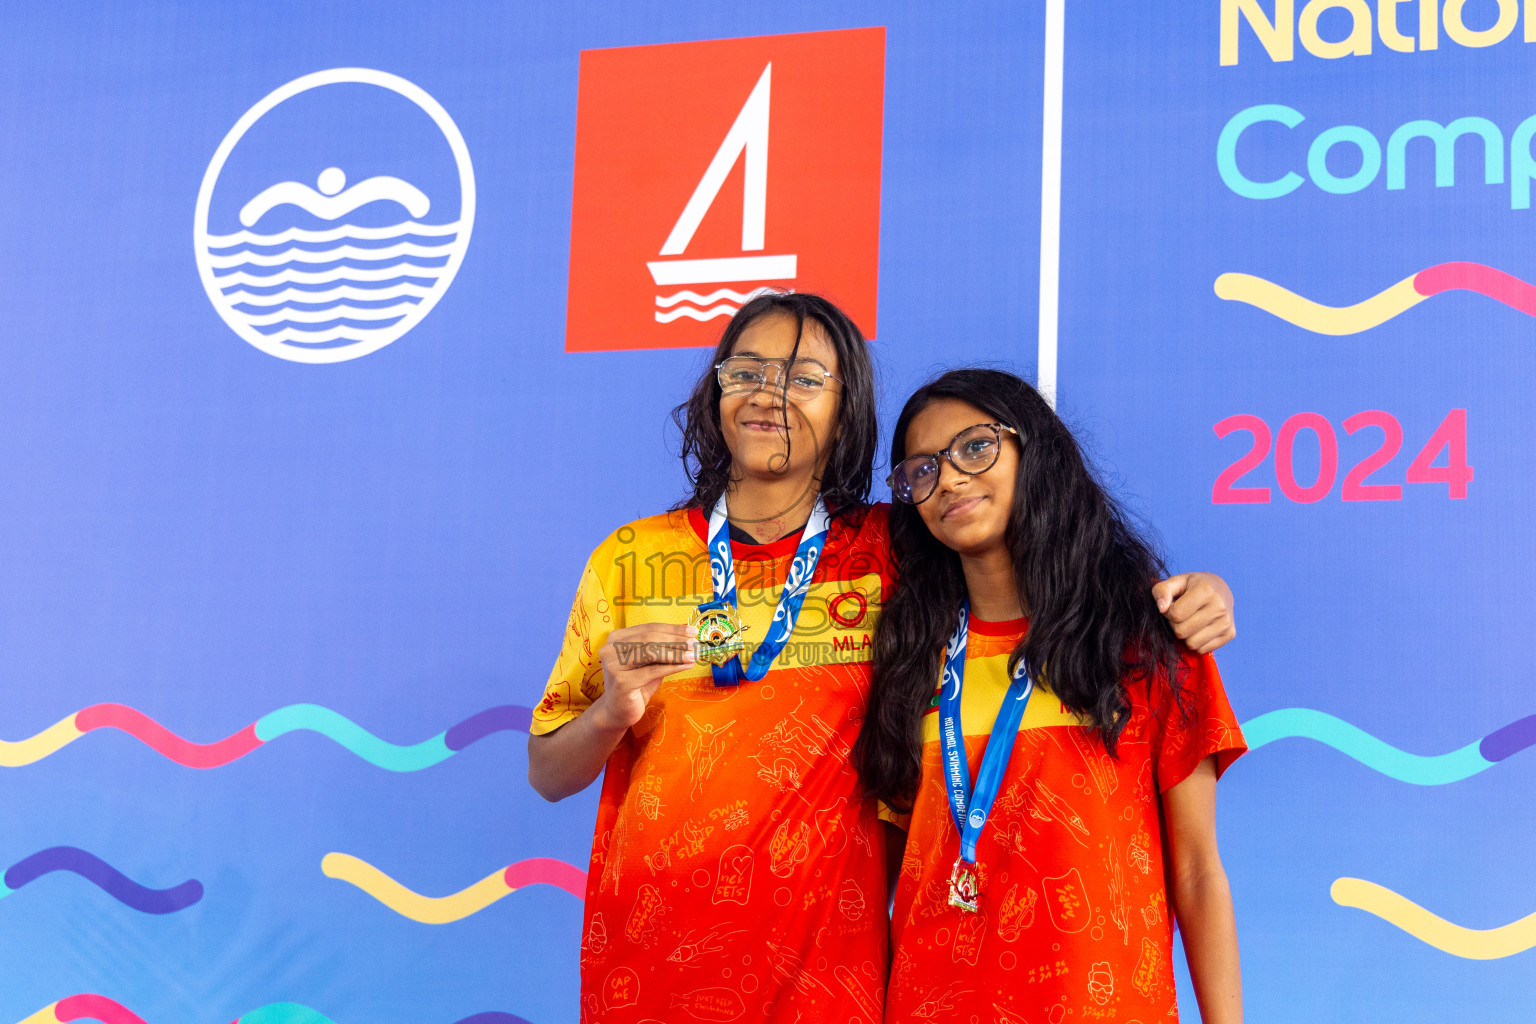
337, 335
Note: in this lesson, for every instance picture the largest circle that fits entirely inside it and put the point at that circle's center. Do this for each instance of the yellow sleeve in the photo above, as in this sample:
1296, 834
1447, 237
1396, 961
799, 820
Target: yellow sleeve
577, 678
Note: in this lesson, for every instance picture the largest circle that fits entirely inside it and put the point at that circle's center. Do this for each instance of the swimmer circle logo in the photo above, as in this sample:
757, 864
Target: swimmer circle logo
324, 272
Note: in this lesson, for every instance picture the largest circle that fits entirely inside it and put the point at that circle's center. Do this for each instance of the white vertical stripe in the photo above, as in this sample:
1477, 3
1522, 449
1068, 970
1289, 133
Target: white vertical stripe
1050, 196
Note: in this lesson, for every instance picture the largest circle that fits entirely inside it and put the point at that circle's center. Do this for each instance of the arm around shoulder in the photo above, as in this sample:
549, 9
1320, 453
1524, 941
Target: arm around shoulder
1198, 607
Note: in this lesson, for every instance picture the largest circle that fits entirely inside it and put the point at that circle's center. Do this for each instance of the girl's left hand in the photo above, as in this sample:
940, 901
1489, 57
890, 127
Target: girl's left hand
1198, 605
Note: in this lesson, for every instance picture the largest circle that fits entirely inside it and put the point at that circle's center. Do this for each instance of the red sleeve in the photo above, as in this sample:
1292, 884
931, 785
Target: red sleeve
861, 545
877, 534
1181, 741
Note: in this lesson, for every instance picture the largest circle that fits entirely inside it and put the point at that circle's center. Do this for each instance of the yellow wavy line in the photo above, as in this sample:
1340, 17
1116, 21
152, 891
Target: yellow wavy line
403, 901
46, 1014
1470, 943
1314, 316
35, 748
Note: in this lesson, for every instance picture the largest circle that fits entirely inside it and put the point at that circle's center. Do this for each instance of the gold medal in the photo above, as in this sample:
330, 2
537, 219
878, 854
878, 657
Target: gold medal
718, 629
964, 890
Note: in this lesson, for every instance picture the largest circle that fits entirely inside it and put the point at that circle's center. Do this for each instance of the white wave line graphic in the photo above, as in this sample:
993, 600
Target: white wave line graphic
337, 205
704, 300
724, 309
291, 276
325, 316
293, 334
409, 227
340, 252
344, 291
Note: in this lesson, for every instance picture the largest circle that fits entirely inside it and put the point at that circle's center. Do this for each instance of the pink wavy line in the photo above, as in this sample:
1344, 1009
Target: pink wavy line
92, 1007
1475, 277
161, 740
546, 871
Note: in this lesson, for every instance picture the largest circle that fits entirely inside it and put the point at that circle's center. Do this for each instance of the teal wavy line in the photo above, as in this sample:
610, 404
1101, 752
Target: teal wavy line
1435, 770
342, 730
285, 1013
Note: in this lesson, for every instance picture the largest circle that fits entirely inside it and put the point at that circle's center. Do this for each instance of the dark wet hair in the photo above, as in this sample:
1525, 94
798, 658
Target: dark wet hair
845, 479
1084, 575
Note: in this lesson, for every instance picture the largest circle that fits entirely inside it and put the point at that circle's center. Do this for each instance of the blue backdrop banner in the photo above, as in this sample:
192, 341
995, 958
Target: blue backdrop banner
337, 336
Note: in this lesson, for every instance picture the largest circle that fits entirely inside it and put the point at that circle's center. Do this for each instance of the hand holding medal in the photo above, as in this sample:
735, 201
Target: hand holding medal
635, 660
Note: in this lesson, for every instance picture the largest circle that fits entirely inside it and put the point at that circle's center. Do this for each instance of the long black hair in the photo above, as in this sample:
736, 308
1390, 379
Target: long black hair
845, 479
1084, 575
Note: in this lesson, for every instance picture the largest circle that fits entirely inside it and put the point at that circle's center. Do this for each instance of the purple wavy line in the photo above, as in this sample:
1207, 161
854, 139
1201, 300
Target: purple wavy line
105, 877
494, 1017
1511, 739
506, 718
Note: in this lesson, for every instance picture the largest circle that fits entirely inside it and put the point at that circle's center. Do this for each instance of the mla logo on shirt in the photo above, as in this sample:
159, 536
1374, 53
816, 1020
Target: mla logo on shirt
708, 171
334, 215
848, 608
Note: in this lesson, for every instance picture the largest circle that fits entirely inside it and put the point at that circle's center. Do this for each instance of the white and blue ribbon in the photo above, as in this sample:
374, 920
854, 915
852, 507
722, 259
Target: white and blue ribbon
969, 808
722, 572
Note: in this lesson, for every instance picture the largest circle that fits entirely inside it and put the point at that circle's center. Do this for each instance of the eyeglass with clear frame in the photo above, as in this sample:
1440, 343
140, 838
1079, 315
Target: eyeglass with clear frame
744, 374
973, 451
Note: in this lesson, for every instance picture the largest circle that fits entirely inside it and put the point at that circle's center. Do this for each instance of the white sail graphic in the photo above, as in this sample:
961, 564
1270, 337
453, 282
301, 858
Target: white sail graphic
747, 140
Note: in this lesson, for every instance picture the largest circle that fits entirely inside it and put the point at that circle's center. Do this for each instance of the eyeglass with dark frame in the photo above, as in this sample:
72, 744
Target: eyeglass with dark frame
916, 477
744, 374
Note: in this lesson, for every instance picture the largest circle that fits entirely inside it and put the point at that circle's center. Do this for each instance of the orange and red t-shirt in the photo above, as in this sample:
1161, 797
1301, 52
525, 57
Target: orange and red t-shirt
737, 873
1074, 922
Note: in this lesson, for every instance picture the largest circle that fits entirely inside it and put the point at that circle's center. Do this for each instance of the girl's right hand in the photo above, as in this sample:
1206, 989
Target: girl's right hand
635, 660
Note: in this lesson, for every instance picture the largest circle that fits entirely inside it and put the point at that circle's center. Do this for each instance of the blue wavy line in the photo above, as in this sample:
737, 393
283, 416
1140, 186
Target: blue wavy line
298, 1013
104, 876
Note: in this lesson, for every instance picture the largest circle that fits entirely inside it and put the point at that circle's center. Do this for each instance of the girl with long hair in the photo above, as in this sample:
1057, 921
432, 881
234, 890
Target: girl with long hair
716, 669
1055, 745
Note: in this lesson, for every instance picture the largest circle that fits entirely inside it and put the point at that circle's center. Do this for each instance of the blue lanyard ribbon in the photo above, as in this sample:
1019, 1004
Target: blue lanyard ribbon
970, 809
722, 570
